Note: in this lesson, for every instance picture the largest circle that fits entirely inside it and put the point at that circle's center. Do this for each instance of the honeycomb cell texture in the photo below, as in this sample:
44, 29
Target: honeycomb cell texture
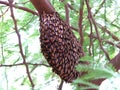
59, 46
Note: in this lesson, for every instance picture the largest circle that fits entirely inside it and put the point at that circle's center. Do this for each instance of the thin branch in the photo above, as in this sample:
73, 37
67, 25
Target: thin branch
4, 12
80, 22
28, 22
96, 29
76, 29
67, 13
106, 41
111, 43
108, 31
23, 2
112, 23
61, 0
93, 36
117, 26
20, 44
91, 42
19, 7
100, 6
20, 64
30, 19
3, 59
71, 7
61, 85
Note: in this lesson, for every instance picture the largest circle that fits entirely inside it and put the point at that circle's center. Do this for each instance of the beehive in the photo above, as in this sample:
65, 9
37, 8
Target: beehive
59, 46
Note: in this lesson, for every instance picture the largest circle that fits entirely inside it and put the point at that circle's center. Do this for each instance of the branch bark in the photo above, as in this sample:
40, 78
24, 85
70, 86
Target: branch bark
67, 14
80, 22
43, 5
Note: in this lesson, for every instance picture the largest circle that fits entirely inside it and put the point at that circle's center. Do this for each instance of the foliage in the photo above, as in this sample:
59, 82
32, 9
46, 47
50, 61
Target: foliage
13, 70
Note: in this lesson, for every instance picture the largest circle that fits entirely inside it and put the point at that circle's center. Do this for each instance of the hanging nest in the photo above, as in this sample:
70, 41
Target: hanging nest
59, 46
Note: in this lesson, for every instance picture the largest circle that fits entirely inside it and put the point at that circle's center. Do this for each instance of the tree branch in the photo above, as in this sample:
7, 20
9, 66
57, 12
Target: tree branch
100, 6
61, 85
19, 41
106, 41
108, 31
19, 7
72, 8
4, 12
43, 5
19, 64
67, 14
80, 22
95, 26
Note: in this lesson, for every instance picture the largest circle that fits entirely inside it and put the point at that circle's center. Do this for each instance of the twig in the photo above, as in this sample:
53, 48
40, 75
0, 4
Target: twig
112, 23
19, 28
4, 12
67, 13
28, 22
111, 43
20, 44
95, 26
61, 0
91, 43
3, 60
76, 29
117, 26
71, 7
93, 36
19, 64
106, 41
23, 2
100, 6
61, 85
80, 22
19, 7
107, 31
